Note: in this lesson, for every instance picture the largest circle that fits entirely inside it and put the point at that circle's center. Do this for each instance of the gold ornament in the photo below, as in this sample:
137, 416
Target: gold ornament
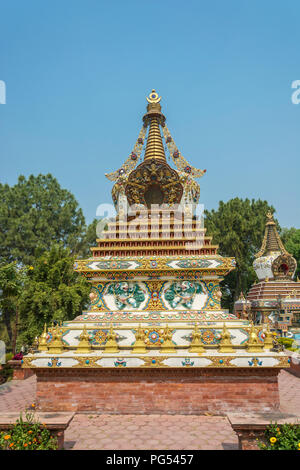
268, 342
111, 345
253, 344
196, 344
167, 346
225, 343
84, 345
56, 345
139, 345
42, 342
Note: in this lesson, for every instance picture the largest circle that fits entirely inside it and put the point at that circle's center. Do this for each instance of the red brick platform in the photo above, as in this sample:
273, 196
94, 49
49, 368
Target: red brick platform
157, 391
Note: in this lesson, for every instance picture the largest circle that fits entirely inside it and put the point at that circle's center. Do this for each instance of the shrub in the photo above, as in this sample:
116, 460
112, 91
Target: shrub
281, 437
27, 435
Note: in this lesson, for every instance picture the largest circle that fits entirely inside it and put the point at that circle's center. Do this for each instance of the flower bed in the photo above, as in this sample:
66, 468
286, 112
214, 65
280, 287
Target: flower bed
27, 434
281, 437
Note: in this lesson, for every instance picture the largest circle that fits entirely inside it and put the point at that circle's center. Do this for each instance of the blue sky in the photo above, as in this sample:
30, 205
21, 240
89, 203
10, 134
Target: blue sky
77, 74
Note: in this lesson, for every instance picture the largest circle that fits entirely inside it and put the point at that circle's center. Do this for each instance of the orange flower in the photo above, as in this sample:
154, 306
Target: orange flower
29, 432
10, 445
33, 405
34, 440
7, 437
25, 445
30, 443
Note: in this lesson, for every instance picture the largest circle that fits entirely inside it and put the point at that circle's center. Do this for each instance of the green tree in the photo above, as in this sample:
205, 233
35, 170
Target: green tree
12, 280
53, 291
291, 240
238, 227
34, 214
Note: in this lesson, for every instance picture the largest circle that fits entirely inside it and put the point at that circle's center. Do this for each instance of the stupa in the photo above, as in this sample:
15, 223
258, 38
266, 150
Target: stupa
275, 298
155, 338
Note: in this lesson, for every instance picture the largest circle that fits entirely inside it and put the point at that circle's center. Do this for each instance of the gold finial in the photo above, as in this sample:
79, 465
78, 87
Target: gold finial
225, 343
111, 345
196, 344
139, 346
43, 340
153, 97
268, 341
269, 215
84, 343
253, 344
56, 346
167, 346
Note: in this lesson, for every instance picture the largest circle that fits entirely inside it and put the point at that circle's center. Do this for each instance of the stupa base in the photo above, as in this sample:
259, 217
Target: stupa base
158, 391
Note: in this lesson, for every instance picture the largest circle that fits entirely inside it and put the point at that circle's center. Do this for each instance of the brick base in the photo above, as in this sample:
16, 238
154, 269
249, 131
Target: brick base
18, 372
157, 391
294, 368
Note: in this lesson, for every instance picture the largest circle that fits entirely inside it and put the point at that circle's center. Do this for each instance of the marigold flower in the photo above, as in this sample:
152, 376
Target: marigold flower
11, 445
277, 429
273, 439
29, 432
7, 437
34, 440
25, 445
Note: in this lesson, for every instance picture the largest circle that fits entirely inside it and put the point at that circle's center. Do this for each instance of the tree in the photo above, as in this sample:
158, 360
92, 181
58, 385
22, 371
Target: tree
238, 227
291, 240
12, 279
34, 214
53, 291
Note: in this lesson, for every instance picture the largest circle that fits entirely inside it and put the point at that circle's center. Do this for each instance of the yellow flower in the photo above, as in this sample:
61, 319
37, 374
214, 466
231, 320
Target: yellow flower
7, 437
273, 439
31, 268
277, 429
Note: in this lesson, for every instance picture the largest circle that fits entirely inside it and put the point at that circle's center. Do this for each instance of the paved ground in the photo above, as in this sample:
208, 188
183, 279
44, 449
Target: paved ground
146, 432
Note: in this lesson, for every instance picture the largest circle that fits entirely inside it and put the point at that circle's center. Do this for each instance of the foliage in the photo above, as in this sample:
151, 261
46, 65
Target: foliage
238, 228
291, 241
53, 291
281, 437
287, 343
34, 214
7, 371
27, 435
12, 279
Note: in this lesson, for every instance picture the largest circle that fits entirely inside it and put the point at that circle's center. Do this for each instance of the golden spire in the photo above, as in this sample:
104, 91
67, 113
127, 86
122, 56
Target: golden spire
154, 116
271, 241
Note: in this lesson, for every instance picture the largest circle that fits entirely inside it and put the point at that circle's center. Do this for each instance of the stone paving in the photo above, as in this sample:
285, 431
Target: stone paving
155, 432
178, 432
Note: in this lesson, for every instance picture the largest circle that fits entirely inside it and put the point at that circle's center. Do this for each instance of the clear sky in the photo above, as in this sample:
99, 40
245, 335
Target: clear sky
77, 73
